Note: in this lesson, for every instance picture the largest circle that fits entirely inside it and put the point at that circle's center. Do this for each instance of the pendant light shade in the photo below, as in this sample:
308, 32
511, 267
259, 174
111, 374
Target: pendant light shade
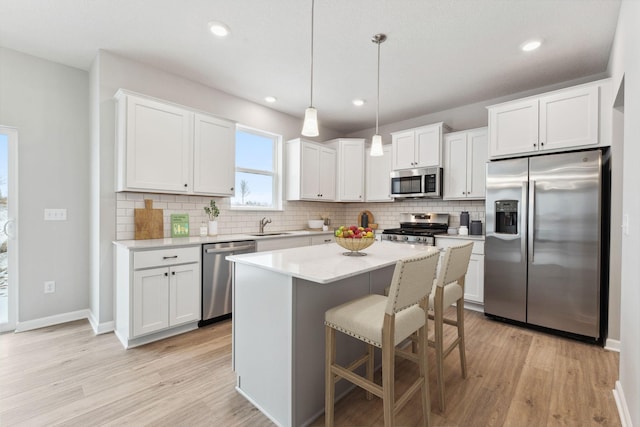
310, 125
376, 146
376, 141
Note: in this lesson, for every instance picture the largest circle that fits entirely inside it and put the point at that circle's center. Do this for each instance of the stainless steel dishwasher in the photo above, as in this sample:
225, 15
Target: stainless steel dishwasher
216, 278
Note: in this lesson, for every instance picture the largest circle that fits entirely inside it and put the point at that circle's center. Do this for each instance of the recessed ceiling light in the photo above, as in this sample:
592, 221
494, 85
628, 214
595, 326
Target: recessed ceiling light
358, 102
219, 29
530, 45
270, 99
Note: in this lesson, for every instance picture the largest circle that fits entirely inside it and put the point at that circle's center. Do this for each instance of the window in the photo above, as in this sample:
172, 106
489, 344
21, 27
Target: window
258, 164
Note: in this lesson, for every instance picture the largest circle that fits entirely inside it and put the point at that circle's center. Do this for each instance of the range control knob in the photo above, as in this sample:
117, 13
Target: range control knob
405, 238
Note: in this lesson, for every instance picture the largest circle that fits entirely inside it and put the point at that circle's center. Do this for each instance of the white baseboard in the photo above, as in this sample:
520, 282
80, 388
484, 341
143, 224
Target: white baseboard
612, 345
100, 328
44, 322
621, 403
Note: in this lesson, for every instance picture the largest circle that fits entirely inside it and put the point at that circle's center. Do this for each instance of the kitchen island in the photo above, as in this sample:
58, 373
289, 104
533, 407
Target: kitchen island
280, 298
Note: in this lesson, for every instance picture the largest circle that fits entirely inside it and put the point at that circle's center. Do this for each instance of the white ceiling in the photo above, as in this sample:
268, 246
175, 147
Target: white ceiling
439, 53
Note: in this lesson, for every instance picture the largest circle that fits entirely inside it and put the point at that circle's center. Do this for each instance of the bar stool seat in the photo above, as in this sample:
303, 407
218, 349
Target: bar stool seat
384, 322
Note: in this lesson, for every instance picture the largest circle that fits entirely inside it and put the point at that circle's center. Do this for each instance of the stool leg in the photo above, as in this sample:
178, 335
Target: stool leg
330, 386
369, 368
423, 363
460, 322
388, 372
439, 347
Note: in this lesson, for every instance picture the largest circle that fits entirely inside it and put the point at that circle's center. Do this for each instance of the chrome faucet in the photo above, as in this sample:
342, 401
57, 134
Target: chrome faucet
264, 221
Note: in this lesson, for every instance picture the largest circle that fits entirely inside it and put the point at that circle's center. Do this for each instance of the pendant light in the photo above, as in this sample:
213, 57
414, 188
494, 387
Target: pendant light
376, 141
310, 125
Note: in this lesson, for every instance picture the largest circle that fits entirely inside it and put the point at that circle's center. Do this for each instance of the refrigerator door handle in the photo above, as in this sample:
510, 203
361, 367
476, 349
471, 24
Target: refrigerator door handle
532, 216
523, 216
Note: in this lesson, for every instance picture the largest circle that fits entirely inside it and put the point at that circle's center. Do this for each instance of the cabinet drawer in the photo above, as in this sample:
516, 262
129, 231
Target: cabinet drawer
322, 239
160, 257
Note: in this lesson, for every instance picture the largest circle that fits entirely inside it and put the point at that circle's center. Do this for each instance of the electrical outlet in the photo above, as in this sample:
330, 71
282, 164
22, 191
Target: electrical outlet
49, 287
55, 214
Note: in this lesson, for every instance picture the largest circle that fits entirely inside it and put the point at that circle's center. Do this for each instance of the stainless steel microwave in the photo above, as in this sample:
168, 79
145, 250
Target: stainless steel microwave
413, 183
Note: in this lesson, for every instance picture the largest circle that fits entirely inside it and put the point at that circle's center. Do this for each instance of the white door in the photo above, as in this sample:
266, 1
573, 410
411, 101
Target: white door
184, 298
327, 174
455, 168
428, 152
404, 151
513, 128
477, 156
214, 156
150, 300
351, 182
8, 228
310, 171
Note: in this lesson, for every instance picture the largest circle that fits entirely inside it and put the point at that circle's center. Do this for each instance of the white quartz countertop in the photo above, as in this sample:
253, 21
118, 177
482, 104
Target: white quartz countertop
325, 263
196, 240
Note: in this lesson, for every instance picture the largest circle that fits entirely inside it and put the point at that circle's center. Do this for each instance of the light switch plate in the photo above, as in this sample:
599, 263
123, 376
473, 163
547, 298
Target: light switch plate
55, 214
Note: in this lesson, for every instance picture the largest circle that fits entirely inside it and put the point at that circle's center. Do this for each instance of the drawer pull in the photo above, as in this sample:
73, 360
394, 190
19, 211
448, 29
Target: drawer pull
170, 257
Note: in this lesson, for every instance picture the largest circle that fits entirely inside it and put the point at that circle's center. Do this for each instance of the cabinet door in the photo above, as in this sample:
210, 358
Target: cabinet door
158, 146
351, 174
184, 294
403, 150
569, 119
214, 156
378, 176
474, 280
428, 146
477, 156
327, 174
321, 239
455, 168
513, 128
310, 171
150, 304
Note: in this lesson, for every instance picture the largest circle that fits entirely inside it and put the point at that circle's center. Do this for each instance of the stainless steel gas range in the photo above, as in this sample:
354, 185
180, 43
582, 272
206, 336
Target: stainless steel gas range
418, 228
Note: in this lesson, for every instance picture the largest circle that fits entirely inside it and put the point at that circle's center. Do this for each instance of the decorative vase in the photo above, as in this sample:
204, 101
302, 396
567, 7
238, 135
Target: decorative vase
213, 228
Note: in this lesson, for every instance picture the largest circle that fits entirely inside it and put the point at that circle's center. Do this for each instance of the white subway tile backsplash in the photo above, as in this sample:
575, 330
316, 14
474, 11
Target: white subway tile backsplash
293, 216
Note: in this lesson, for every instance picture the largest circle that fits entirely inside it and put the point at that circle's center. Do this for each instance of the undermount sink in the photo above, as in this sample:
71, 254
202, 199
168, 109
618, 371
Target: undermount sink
268, 234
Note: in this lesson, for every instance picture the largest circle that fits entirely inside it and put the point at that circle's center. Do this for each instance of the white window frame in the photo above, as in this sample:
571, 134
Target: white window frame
276, 174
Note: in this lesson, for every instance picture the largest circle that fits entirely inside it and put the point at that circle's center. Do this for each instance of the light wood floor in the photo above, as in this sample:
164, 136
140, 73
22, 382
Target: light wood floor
64, 375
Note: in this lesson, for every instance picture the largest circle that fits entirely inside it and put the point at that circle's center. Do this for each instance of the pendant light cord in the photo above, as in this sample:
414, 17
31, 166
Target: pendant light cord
378, 101
312, 13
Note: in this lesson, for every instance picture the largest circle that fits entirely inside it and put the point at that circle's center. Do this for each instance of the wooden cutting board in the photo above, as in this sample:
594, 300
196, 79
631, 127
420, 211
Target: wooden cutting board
148, 221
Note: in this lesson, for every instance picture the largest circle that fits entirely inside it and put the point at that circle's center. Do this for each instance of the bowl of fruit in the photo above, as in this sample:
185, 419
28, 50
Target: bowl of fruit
354, 239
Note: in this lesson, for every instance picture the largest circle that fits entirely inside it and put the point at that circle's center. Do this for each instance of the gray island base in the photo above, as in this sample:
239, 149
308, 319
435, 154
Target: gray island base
280, 298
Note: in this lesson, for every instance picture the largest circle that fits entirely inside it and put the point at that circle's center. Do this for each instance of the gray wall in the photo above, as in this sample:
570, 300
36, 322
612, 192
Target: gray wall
48, 103
624, 64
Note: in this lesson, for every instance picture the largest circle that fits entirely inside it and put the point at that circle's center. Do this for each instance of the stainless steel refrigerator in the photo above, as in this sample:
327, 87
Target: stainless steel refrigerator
546, 248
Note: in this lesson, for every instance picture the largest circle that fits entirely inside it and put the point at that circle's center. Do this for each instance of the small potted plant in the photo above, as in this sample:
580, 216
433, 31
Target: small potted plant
212, 212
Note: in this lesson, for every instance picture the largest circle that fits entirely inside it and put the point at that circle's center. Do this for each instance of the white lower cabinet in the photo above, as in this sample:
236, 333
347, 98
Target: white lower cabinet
158, 293
474, 280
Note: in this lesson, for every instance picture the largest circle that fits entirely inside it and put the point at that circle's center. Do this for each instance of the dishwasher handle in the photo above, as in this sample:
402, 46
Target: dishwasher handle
230, 249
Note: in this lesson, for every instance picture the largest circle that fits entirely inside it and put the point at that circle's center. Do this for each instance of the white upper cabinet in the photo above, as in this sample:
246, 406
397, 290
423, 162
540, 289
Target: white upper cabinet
466, 154
214, 145
155, 146
378, 188
350, 168
556, 121
418, 147
167, 148
311, 171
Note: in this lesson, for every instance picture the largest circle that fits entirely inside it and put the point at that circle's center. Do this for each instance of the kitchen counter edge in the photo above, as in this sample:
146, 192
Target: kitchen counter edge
197, 240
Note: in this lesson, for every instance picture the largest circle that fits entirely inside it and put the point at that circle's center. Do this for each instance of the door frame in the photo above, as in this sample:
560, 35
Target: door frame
12, 215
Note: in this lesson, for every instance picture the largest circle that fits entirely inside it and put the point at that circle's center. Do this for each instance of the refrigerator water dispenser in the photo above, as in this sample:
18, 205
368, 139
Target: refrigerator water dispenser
506, 216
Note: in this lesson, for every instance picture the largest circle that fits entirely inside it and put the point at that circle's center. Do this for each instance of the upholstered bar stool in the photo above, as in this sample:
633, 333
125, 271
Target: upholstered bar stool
449, 288
384, 322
